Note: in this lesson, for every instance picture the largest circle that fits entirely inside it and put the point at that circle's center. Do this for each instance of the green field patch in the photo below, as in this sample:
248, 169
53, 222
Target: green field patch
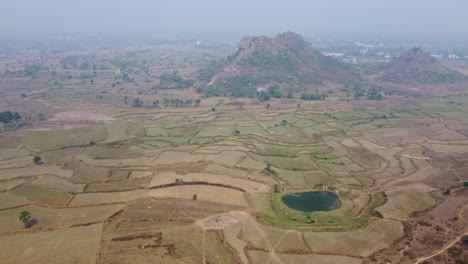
213, 131
173, 140
268, 123
252, 130
310, 132
116, 132
289, 118
319, 118
291, 138
346, 116
155, 132
304, 123
319, 127
279, 130
325, 156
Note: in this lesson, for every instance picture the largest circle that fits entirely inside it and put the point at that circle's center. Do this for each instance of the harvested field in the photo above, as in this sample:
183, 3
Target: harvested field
163, 179
38, 194
106, 198
59, 184
67, 244
35, 171
48, 218
404, 200
203, 193
259, 257
170, 182
378, 235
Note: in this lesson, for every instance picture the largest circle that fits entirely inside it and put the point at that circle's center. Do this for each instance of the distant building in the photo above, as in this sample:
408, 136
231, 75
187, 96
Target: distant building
333, 54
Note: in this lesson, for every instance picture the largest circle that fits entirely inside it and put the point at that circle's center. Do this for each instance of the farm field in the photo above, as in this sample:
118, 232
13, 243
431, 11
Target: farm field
205, 184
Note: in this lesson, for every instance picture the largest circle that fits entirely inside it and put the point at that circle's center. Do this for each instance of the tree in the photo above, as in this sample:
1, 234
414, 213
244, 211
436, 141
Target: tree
268, 106
236, 132
37, 159
264, 96
137, 102
156, 103
213, 108
24, 217
197, 102
290, 94
275, 91
284, 122
374, 93
7, 116
194, 197
41, 116
188, 102
166, 102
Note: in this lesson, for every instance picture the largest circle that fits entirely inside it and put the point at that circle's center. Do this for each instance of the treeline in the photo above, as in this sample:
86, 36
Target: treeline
314, 96
374, 93
166, 102
29, 70
173, 81
7, 117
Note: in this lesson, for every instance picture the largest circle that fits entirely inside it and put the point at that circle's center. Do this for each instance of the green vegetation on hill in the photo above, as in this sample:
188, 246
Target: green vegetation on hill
7, 116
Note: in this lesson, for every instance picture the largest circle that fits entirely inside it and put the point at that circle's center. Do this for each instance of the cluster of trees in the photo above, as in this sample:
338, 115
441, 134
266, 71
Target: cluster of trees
29, 70
274, 91
174, 102
314, 96
7, 117
374, 93
180, 102
173, 81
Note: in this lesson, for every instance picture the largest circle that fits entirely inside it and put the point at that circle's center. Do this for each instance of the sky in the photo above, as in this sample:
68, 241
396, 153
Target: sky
213, 19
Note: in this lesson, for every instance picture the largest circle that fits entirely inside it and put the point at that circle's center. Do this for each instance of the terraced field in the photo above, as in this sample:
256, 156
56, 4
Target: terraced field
200, 186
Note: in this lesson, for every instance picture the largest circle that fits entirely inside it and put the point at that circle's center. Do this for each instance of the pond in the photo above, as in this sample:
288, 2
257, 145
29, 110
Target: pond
312, 201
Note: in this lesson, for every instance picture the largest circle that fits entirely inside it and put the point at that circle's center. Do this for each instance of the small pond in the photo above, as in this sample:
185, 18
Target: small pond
312, 201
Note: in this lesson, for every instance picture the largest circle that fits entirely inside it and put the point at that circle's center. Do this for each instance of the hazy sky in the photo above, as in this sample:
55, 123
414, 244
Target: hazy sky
233, 19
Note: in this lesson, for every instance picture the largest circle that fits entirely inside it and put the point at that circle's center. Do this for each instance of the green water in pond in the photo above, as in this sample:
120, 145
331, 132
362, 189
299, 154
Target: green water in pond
312, 201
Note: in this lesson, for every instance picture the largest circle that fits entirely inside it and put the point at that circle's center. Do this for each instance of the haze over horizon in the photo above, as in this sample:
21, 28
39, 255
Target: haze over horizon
211, 19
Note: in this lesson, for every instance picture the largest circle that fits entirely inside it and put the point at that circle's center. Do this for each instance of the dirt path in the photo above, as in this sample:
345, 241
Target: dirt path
203, 246
441, 250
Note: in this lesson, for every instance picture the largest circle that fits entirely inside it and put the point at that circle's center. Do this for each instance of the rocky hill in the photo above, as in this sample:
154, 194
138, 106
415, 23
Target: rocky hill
286, 60
416, 66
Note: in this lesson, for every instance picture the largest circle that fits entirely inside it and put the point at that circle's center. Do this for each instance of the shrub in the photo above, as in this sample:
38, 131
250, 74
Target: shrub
37, 159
